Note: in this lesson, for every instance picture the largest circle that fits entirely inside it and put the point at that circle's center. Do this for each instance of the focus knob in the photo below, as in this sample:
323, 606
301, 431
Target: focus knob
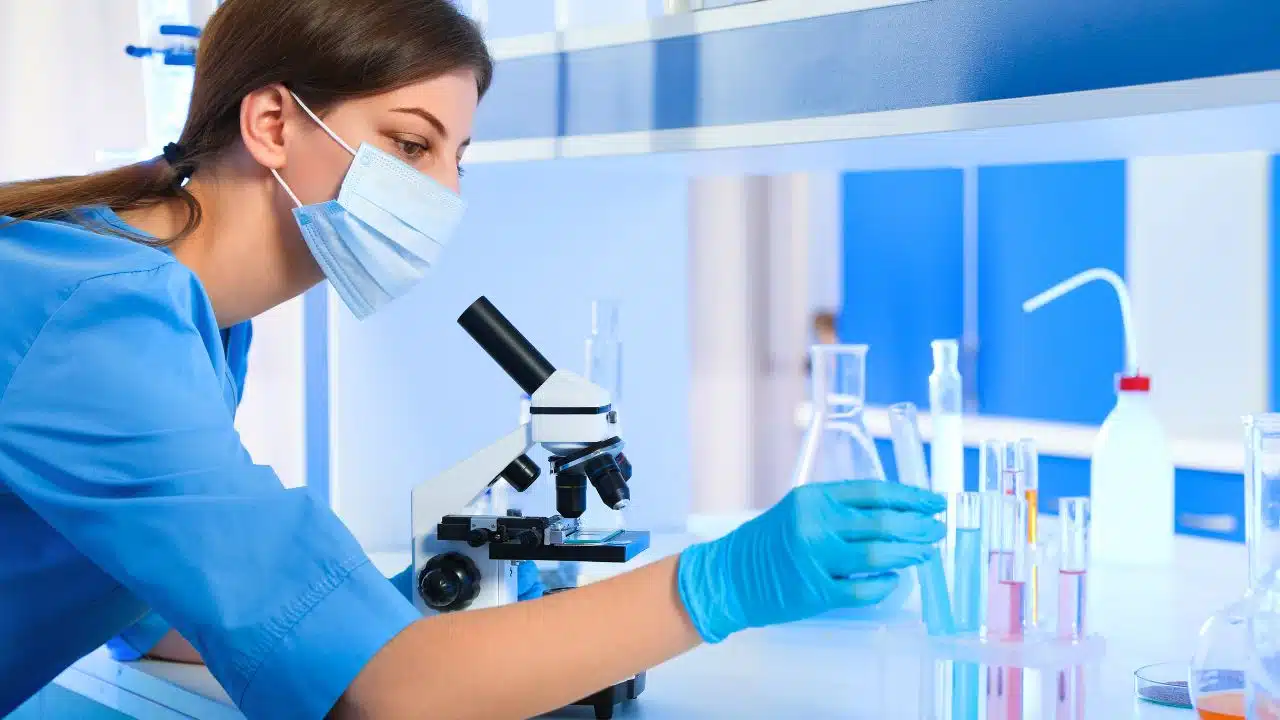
449, 582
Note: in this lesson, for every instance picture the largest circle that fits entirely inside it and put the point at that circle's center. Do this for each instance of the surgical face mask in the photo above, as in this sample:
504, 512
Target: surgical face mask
385, 230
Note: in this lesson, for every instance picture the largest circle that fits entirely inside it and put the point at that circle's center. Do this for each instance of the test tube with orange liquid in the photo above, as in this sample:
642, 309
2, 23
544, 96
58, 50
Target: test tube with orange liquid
1028, 488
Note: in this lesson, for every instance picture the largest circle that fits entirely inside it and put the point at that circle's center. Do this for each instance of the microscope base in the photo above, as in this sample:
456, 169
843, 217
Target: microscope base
605, 701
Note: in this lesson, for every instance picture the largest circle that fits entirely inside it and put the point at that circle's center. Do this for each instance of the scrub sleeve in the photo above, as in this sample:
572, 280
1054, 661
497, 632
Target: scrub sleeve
115, 430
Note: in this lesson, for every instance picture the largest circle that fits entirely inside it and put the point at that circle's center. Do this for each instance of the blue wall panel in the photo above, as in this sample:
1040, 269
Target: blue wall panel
907, 56
1038, 225
1200, 494
903, 275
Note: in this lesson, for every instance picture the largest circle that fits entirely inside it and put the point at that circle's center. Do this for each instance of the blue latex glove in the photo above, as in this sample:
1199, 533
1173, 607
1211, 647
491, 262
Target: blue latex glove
822, 547
529, 584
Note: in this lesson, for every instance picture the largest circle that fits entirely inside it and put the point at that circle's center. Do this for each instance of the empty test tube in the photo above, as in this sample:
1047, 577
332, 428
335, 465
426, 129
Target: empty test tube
908, 453
1011, 470
1073, 551
990, 464
908, 447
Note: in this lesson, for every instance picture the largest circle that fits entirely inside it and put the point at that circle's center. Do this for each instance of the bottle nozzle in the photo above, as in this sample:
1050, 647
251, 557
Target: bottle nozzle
1122, 293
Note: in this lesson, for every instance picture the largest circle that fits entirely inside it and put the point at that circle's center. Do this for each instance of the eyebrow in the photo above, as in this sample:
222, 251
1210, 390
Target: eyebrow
432, 120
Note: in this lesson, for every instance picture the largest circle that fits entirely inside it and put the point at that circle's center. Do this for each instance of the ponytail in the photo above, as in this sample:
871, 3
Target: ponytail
125, 188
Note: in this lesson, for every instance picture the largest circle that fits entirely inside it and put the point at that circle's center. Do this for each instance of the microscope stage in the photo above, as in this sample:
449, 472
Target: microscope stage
620, 548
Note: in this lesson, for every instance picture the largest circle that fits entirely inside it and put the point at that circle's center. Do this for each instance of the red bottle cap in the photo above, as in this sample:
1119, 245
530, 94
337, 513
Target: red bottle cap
1134, 383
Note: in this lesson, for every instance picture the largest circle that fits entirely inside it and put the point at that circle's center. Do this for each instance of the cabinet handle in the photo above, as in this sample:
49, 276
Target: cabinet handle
1225, 524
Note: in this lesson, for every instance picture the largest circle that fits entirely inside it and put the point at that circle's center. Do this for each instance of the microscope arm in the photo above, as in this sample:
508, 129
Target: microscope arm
457, 487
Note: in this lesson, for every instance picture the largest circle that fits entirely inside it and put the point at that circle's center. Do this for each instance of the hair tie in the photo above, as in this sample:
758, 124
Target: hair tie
175, 155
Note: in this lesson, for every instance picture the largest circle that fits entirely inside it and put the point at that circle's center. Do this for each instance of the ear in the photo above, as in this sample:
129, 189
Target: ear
262, 125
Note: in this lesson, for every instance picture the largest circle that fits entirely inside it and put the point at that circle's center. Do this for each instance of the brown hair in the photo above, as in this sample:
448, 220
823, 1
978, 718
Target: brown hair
323, 50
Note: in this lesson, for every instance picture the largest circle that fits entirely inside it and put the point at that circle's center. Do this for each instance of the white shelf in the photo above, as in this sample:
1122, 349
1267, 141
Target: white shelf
732, 17
1220, 114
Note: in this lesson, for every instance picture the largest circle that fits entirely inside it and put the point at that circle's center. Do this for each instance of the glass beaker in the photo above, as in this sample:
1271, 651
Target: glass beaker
836, 444
1239, 636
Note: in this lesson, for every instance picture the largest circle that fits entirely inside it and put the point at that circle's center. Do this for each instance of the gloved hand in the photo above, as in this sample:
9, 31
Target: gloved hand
824, 546
528, 583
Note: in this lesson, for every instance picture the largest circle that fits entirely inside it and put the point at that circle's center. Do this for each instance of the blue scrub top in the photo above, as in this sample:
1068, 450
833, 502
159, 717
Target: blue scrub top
125, 489
136, 641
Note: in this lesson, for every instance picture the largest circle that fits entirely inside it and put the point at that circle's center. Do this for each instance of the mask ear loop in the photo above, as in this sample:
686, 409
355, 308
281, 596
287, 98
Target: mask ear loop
327, 131
320, 122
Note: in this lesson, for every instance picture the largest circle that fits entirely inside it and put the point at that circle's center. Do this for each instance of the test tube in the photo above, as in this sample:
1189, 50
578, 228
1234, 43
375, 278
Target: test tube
1013, 564
1073, 567
908, 453
1029, 475
1012, 471
990, 462
1028, 488
908, 447
967, 519
1006, 613
990, 476
1073, 551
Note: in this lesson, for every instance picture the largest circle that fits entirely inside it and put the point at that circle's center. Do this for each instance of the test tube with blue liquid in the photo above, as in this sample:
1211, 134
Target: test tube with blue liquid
967, 595
908, 453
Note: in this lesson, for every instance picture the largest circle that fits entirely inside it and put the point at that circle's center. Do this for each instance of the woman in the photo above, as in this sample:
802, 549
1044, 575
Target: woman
124, 489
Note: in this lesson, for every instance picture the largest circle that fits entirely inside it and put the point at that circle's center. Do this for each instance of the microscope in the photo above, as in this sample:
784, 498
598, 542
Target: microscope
463, 561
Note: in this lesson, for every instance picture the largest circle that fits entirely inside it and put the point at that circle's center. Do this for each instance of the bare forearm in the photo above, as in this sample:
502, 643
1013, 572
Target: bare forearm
486, 663
175, 648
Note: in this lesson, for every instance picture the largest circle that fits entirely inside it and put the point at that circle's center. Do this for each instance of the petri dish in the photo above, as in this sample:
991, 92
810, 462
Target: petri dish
1163, 684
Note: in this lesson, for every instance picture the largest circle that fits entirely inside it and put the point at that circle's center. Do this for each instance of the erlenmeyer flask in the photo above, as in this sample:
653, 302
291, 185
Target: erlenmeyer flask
836, 444
1238, 644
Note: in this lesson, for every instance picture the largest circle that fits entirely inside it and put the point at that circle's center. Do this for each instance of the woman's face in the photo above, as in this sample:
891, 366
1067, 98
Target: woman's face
426, 125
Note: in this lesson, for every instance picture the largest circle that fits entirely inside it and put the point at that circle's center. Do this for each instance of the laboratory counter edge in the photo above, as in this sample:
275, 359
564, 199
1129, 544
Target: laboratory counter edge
787, 671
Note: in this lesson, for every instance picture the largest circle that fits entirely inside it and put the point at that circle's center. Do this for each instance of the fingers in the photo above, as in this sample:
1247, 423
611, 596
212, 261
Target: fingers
877, 494
867, 591
893, 525
875, 557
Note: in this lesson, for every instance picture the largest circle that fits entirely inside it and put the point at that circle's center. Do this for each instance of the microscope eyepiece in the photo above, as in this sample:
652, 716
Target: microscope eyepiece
504, 343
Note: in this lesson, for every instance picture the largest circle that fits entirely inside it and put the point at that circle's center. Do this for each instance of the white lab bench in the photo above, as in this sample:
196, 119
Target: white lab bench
810, 669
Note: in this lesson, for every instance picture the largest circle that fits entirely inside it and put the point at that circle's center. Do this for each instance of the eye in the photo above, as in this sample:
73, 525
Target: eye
461, 171
411, 149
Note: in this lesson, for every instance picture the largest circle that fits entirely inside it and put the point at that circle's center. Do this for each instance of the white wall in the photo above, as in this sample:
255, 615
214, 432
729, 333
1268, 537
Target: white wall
411, 393
1198, 264
68, 88
764, 255
823, 212
271, 417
